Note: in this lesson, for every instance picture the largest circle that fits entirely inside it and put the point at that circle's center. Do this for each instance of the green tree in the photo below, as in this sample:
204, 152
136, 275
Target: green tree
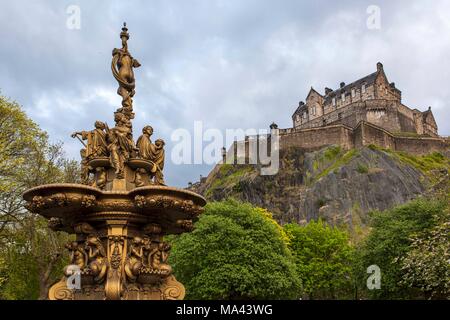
324, 258
236, 251
390, 240
30, 253
427, 265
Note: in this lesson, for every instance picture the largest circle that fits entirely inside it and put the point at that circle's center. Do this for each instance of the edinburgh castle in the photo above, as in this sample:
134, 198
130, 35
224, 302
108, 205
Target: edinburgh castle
368, 111
372, 99
364, 112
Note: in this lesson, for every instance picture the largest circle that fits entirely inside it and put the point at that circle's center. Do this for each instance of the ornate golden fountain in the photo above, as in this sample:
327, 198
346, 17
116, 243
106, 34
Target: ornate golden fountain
121, 211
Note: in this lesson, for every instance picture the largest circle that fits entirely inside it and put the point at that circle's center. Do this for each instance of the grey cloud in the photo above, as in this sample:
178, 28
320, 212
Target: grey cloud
231, 64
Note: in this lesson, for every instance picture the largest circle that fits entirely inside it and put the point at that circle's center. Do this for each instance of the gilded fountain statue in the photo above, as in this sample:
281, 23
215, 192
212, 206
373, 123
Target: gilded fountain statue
121, 211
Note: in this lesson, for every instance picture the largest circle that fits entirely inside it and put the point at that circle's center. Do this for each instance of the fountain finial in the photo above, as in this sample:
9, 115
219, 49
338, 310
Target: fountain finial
122, 68
124, 35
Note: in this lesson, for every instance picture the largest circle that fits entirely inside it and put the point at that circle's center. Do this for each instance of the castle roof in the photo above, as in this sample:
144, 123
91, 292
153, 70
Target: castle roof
368, 80
428, 117
330, 94
311, 91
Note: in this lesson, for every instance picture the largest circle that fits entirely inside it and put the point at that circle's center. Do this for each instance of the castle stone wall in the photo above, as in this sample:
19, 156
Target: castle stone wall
363, 134
357, 136
371, 134
317, 137
383, 113
420, 145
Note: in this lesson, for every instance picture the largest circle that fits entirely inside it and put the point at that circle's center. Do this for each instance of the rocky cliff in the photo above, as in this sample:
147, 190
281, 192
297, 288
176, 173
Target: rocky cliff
337, 185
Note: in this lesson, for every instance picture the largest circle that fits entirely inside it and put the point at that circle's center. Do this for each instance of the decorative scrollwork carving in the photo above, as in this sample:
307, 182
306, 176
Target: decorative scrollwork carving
59, 199
186, 225
167, 202
56, 224
88, 201
152, 228
172, 289
140, 201
36, 204
84, 228
116, 255
59, 291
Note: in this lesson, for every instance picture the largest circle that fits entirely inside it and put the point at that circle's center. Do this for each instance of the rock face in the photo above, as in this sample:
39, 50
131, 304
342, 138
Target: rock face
336, 185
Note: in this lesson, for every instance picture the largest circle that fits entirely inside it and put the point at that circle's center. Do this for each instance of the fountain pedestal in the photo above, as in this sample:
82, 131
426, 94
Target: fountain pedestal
119, 251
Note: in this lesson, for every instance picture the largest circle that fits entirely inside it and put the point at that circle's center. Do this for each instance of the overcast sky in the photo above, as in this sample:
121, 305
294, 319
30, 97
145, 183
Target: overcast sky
230, 64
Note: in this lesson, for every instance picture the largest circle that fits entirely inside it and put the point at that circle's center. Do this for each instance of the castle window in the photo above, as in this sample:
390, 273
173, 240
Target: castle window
363, 88
353, 93
343, 97
333, 101
340, 115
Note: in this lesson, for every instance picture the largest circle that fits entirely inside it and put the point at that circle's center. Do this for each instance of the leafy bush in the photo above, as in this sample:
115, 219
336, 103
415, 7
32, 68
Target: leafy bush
324, 259
391, 240
427, 265
236, 251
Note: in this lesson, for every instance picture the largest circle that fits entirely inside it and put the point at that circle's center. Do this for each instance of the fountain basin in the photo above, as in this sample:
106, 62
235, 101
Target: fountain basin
173, 209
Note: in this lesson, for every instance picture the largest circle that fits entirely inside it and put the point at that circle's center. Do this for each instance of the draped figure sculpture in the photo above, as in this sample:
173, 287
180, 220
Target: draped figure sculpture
120, 143
153, 152
96, 143
122, 68
96, 146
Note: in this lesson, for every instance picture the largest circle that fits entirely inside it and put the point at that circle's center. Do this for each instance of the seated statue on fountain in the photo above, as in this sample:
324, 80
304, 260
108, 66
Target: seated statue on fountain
96, 141
120, 142
153, 152
110, 154
95, 147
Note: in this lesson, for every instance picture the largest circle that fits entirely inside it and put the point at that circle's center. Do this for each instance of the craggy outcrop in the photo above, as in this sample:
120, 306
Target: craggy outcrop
337, 185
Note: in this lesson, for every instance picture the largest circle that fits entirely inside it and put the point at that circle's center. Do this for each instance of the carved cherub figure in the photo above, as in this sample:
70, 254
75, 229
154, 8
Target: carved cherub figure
96, 258
158, 253
135, 258
78, 255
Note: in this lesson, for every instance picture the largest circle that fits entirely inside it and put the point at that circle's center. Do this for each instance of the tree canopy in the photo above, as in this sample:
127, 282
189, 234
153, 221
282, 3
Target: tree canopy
391, 239
427, 265
324, 259
236, 251
30, 253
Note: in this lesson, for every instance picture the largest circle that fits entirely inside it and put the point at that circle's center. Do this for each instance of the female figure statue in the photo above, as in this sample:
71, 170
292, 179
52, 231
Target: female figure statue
153, 152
